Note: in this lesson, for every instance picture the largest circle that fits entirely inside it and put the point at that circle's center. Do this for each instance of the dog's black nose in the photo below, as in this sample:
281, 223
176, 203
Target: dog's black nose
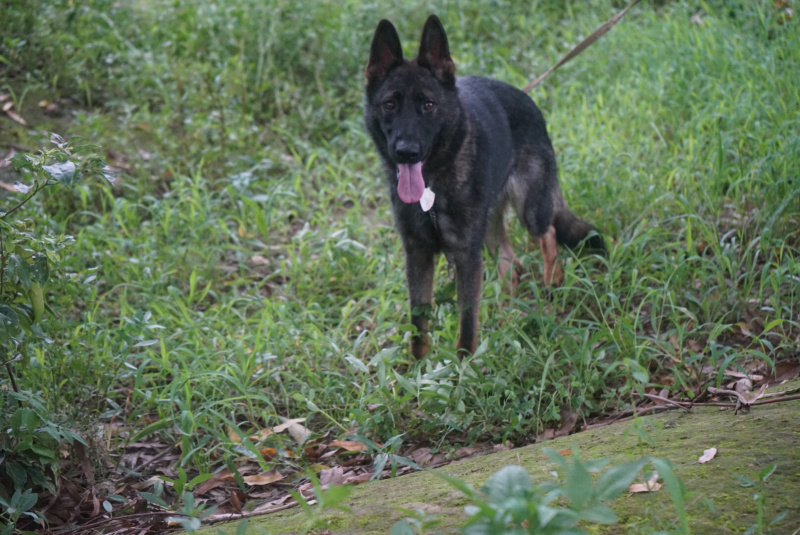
407, 152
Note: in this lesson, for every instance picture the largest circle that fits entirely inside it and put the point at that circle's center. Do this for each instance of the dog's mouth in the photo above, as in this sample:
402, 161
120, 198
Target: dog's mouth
410, 184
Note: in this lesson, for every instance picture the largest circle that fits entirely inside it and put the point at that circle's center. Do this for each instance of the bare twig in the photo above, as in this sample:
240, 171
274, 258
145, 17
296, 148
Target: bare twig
678, 404
106, 521
215, 519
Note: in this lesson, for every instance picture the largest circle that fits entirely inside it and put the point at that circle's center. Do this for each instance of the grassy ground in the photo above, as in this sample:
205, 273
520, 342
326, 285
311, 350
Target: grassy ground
245, 265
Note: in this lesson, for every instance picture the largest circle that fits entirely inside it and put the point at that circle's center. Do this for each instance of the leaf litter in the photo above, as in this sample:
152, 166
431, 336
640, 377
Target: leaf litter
133, 491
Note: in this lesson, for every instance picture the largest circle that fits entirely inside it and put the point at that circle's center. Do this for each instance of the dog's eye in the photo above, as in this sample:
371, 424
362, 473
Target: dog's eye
388, 105
428, 106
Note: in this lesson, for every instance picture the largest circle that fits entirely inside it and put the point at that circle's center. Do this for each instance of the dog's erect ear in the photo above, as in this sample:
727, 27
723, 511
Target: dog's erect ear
434, 53
385, 53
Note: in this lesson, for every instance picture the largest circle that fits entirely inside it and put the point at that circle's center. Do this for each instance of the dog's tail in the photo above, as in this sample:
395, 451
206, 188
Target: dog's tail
577, 234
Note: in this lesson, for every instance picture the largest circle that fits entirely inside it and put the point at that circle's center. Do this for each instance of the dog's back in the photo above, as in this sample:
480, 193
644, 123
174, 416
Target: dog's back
513, 138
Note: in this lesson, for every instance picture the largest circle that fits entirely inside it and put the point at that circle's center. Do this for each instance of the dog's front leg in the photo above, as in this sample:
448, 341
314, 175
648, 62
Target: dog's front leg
469, 276
419, 273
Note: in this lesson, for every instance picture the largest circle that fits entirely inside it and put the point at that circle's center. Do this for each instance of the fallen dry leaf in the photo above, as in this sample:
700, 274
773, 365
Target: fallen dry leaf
547, 434
264, 478
651, 485
349, 445
259, 260
15, 116
786, 371
287, 424
740, 375
743, 385
298, 433
217, 480
332, 476
707, 455
568, 421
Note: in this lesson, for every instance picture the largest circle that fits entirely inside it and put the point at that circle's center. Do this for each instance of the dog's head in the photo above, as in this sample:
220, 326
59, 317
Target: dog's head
409, 102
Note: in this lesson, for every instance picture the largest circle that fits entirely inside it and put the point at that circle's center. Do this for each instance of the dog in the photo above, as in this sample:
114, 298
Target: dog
456, 152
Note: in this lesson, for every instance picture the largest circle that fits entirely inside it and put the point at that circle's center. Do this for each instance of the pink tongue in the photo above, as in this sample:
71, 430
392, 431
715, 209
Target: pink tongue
410, 184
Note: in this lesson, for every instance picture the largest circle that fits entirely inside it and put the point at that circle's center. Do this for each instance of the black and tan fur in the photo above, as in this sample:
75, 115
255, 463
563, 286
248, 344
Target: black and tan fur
482, 144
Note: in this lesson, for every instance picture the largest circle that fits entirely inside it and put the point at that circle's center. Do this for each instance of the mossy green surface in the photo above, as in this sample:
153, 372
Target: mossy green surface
717, 502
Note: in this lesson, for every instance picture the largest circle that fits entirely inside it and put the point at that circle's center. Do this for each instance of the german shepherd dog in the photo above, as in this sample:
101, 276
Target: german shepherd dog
456, 152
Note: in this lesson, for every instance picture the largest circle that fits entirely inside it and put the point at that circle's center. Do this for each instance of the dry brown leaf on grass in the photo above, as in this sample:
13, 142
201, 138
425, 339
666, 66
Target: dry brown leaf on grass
287, 424
217, 480
235, 436
651, 485
707, 455
271, 453
740, 375
332, 476
16, 117
349, 445
264, 478
786, 371
351, 479
568, 421
298, 433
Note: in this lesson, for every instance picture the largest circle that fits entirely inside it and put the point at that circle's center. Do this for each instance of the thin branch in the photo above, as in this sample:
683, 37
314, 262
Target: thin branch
105, 521
246, 514
10, 371
2, 263
678, 404
24, 201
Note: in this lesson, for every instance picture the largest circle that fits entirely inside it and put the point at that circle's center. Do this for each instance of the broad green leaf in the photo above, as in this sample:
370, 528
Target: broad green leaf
22, 161
20, 268
578, 486
406, 461
378, 464
196, 480
616, 480
36, 297
64, 172
401, 527
17, 474
675, 488
44, 452
24, 501
599, 513
768, 471
153, 499
357, 363
509, 481
9, 321
158, 425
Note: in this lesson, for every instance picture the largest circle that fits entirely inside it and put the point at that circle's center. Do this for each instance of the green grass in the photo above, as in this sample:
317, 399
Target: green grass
246, 265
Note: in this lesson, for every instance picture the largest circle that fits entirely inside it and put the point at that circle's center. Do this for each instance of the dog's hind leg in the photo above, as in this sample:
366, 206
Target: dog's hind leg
496, 242
536, 198
553, 274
